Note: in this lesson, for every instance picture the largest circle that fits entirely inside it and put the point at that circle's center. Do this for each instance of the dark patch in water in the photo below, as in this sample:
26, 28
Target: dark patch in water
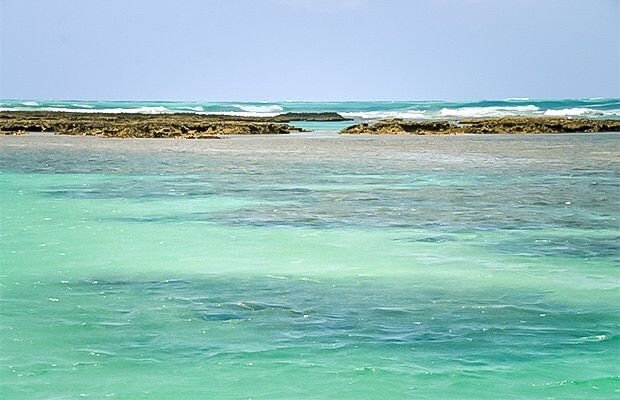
428, 239
581, 247
221, 317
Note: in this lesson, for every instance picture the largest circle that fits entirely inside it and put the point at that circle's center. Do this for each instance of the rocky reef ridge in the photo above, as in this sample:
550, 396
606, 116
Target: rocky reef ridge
489, 126
197, 126
308, 116
126, 125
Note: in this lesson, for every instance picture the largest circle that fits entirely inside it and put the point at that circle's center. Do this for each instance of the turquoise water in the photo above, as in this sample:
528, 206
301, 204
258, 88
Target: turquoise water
310, 266
355, 110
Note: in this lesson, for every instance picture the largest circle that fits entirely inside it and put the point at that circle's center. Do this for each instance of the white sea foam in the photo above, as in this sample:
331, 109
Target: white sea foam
485, 112
137, 110
30, 103
572, 112
82, 105
240, 113
273, 108
373, 115
149, 110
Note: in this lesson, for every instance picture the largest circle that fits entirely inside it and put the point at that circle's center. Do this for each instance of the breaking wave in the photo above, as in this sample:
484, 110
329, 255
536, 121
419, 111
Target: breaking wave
356, 110
274, 108
484, 112
372, 115
581, 112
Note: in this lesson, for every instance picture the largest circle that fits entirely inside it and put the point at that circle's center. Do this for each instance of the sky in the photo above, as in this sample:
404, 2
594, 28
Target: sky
314, 50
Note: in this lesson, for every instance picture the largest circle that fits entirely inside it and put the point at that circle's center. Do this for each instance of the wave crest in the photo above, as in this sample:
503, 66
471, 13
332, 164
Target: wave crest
574, 112
273, 108
373, 115
486, 112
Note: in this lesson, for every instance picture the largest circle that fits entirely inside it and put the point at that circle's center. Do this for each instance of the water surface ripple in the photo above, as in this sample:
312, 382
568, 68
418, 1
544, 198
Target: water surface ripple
310, 266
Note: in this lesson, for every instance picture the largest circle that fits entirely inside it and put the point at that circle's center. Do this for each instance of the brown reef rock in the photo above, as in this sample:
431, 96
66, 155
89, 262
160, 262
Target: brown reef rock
399, 126
186, 125
489, 125
123, 125
318, 117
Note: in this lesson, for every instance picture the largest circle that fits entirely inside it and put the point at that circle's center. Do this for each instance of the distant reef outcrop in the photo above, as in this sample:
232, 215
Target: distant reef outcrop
489, 126
124, 125
315, 117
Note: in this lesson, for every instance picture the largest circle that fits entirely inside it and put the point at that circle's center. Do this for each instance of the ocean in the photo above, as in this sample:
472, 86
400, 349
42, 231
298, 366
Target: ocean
601, 108
312, 265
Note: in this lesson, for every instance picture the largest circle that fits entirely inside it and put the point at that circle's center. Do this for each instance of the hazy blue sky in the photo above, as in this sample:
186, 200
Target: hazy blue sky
309, 49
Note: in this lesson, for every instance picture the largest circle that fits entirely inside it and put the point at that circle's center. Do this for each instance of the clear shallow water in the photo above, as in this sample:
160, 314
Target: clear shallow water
310, 266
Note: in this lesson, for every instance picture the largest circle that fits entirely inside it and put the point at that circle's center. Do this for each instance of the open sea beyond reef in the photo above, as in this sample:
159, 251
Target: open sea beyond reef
312, 266
597, 108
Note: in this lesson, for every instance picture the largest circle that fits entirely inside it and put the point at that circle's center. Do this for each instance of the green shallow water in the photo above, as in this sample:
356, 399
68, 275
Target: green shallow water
310, 266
